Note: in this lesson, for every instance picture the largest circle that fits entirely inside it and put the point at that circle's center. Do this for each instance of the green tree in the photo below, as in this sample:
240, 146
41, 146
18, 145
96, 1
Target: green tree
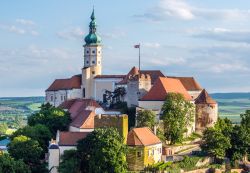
146, 118
102, 151
178, 114
70, 162
52, 117
240, 141
29, 150
225, 126
3, 128
38, 132
245, 120
8, 164
215, 143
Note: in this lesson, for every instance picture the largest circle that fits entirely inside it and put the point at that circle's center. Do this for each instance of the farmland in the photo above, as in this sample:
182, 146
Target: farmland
14, 109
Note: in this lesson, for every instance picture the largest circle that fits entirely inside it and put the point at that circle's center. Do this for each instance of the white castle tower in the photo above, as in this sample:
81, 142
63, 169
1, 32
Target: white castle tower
92, 59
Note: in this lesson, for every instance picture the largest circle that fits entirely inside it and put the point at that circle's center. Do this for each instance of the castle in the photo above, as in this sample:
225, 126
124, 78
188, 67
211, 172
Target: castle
145, 89
82, 94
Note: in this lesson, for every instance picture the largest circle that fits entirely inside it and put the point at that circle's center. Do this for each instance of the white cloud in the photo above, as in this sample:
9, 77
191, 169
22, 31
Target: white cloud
115, 34
181, 9
177, 8
151, 45
72, 33
26, 27
16, 29
223, 34
25, 22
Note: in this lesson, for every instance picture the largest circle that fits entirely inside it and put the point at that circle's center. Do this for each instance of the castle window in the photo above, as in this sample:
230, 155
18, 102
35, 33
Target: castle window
87, 52
87, 62
93, 51
93, 62
138, 154
83, 92
93, 72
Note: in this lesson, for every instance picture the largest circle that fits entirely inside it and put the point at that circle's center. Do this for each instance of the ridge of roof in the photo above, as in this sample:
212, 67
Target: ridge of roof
188, 82
65, 84
204, 98
142, 136
163, 86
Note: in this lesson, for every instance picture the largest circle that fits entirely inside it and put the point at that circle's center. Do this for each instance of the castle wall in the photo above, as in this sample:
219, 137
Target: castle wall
120, 122
75, 129
55, 98
54, 159
101, 85
206, 116
137, 87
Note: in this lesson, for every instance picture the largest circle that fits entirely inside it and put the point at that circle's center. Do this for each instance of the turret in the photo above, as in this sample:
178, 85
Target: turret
92, 58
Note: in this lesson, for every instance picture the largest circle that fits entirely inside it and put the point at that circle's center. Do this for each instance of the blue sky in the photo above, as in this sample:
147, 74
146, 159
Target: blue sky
42, 40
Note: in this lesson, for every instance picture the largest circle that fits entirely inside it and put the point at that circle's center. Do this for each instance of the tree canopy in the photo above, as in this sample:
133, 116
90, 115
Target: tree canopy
70, 162
178, 114
52, 117
146, 118
38, 132
102, 151
8, 164
27, 149
215, 143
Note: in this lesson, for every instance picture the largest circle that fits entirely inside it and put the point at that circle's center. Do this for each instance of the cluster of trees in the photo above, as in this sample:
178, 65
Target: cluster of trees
177, 115
101, 151
29, 144
228, 140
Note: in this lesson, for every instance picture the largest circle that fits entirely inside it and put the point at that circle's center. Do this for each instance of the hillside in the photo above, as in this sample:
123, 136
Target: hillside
13, 108
231, 105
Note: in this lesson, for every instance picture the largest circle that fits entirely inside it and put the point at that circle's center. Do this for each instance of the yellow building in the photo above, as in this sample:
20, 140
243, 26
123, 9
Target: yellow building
145, 148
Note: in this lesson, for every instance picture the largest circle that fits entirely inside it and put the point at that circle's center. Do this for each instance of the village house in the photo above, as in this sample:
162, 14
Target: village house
145, 148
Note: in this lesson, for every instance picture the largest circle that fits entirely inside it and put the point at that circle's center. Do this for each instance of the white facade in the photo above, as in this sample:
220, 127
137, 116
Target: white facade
155, 151
76, 129
103, 84
55, 98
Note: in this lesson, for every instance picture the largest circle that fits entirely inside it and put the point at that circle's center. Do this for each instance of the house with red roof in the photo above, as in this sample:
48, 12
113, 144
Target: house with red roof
145, 148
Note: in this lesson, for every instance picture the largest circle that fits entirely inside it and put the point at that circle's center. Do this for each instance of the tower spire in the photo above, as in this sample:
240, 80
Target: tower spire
92, 38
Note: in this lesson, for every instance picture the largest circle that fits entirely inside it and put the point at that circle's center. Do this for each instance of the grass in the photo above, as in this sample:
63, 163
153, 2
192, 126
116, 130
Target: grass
10, 131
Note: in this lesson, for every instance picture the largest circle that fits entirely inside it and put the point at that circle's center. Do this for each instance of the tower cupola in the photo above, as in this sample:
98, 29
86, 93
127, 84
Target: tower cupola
92, 38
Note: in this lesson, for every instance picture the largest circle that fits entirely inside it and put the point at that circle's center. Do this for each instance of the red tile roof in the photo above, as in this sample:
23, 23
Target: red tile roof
66, 84
84, 120
204, 98
71, 138
81, 117
154, 74
142, 137
162, 87
189, 83
109, 76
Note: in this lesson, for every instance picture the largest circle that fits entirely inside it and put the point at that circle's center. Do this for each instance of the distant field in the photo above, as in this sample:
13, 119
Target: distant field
12, 108
231, 105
